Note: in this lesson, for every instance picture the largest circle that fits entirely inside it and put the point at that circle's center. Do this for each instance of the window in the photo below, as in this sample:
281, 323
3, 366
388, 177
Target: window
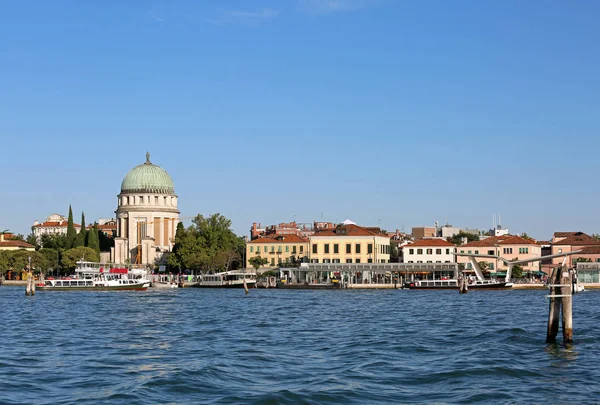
258, 249
293, 249
156, 200
490, 252
462, 251
429, 251
559, 250
438, 251
370, 261
477, 252
348, 248
336, 248
411, 251
326, 261
491, 266
272, 248
301, 249
468, 251
272, 262
447, 251
524, 250
348, 260
327, 248
419, 251
251, 249
287, 249
279, 248
370, 248
358, 248
357, 261
335, 260
315, 249
507, 250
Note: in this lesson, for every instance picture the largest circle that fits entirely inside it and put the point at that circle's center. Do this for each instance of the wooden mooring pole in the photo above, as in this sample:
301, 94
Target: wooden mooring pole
561, 295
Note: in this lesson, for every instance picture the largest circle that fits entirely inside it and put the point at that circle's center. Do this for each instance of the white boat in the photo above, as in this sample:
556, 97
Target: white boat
93, 276
226, 279
453, 284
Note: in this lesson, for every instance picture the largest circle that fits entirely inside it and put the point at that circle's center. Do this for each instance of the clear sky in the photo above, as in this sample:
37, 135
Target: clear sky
390, 113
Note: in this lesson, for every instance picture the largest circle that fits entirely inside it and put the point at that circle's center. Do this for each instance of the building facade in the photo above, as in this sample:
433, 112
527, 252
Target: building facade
349, 244
55, 224
279, 250
9, 244
564, 242
509, 247
146, 215
429, 251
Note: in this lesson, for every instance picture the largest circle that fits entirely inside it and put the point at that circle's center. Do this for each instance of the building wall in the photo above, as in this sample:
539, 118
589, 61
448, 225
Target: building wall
513, 252
276, 252
379, 253
428, 254
423, 232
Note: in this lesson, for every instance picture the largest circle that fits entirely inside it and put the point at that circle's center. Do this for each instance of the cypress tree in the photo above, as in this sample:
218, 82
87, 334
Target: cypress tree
71, 233
80, 239
93, 241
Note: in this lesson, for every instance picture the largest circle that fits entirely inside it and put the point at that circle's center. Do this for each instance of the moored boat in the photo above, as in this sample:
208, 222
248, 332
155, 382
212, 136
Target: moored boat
92, 276
453, 284
226, 279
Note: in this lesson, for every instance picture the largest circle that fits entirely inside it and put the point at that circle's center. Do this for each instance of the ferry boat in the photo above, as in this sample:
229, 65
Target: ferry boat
226, 279
91, 276
453, 284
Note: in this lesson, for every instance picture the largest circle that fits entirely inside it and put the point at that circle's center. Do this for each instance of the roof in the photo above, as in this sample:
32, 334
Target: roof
15, 243
290, 238
501, 240
148, 178
430, 242
48, 224
577, 239
564, 234
350, 230
590, 250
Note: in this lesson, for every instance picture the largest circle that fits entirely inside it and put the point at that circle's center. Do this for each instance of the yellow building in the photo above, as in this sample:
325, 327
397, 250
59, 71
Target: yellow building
15, 244
279, 250
349, 244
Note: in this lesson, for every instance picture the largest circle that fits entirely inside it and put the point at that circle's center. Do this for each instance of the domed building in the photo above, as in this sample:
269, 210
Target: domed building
147, 215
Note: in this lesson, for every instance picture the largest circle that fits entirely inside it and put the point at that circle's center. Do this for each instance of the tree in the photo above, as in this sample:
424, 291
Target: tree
19, 260
525, 236
52, 258
18, 236
80, 239
71, 233
394, 253
54, 241
257, 262
33, 240
72, 256
3, 261
596, 236
517, 271
174, 261
93, 241
483, 265
105, 242
458, 238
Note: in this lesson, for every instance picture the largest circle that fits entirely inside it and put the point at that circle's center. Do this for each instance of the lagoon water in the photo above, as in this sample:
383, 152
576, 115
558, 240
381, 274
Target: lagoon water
290, 347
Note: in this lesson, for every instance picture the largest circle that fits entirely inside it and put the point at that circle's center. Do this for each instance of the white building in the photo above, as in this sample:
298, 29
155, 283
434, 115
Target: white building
55, 224
147, 215
429, 251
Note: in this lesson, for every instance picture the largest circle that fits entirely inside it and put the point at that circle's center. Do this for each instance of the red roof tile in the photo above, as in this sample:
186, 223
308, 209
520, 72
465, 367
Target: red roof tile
289, 238
15, 243
578, 239
564, 234
430, 242
590, 250
54, 224
501, 240
349, 230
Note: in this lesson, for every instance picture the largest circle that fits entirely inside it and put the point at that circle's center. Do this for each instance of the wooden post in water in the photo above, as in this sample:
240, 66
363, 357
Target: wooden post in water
28, 285
554, 308
567, 304
32, 284
245, 286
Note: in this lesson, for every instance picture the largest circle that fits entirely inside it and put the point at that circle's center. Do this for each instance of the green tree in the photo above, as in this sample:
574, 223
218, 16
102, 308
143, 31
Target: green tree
52, 258
257, 262
394, 253
19, 260
517, 271
72, 256
54, 241
18, 236
3, 261
71, 232
596, 236
33, 240
458, 238
174, 260
81, 236
106, 242
93, 241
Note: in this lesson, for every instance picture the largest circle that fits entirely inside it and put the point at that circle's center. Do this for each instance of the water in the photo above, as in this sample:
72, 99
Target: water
288, 347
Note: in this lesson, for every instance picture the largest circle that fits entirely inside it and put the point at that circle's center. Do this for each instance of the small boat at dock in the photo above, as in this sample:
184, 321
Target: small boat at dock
226, 279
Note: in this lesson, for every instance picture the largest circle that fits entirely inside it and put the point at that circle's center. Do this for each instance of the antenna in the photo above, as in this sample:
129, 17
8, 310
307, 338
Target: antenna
499, 222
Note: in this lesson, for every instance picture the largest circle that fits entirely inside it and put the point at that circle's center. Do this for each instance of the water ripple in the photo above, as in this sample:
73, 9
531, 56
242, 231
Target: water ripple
290, 347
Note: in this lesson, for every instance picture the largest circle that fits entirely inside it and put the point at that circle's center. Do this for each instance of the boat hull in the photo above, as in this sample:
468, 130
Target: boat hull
495, 286
199, 285
308, 286
132, 287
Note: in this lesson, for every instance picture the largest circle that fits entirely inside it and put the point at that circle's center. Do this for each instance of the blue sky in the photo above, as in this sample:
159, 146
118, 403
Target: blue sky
390, 113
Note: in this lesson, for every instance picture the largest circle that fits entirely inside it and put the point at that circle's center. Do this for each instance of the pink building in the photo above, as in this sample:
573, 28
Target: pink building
509, 247
563, 242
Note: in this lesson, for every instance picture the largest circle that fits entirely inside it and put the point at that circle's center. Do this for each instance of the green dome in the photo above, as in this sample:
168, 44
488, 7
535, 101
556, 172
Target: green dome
148, 178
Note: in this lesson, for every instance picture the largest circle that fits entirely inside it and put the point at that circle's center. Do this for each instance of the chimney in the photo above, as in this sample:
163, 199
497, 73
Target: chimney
465, 240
